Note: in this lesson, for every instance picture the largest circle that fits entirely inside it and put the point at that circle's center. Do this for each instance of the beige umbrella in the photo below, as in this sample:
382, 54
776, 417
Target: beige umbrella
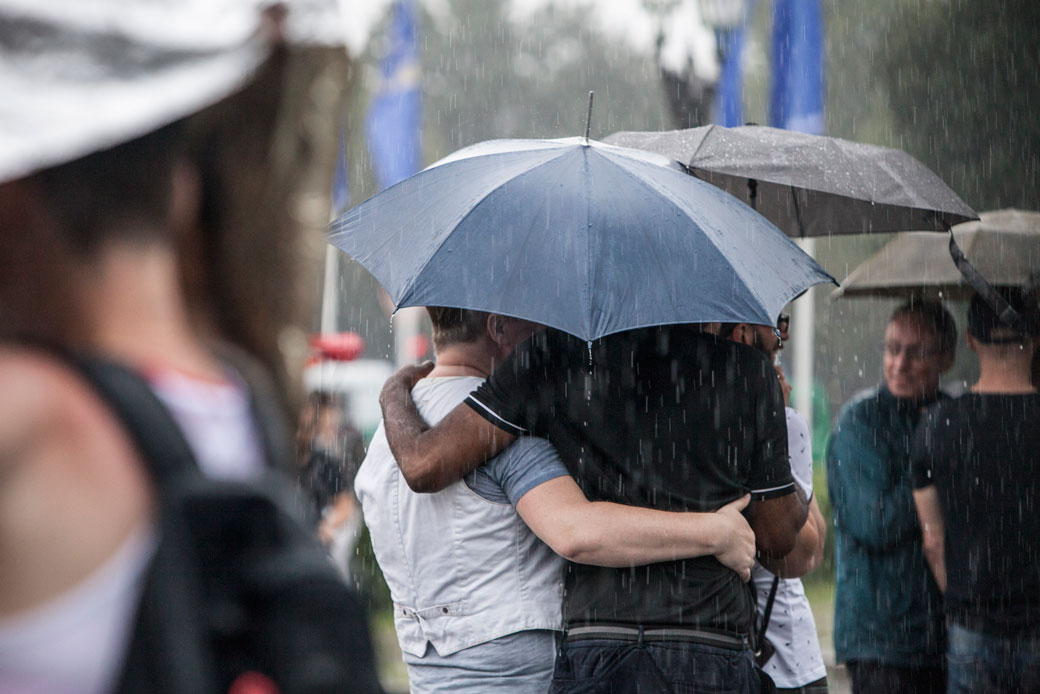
1003, 245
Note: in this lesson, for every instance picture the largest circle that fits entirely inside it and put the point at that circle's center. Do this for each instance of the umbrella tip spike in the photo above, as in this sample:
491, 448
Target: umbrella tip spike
588, 118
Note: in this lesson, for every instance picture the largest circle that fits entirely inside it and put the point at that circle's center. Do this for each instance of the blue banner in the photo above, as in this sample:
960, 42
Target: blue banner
797, 97
395, 117
729, 93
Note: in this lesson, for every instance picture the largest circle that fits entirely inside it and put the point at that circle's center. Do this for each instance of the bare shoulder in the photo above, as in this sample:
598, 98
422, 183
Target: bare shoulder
47, 409
71, 485
30, 400
42, 397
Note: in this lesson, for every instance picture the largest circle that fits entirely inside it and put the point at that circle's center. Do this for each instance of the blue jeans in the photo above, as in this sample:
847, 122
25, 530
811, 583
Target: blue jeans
604, 666
979, 662
520, 663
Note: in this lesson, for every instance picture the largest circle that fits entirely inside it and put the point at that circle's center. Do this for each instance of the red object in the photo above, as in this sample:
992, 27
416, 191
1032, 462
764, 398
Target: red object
345, 346
418, 346
252, 682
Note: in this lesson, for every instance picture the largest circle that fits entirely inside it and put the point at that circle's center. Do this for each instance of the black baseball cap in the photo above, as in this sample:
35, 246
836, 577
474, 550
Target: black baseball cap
986, 326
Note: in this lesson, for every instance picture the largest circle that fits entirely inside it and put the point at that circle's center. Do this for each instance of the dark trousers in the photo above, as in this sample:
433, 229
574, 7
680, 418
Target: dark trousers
817, 687
605, 666
877, 678
983, 663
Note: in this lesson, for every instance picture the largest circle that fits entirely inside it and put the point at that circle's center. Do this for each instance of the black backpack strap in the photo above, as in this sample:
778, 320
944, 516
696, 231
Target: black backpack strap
158, 439
167, 651
769, 607
1000, 306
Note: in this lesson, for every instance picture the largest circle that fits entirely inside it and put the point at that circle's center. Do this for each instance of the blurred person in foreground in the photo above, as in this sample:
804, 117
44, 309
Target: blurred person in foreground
888, 619
671, 418
791, 653
977, 490
142, 219
477, 587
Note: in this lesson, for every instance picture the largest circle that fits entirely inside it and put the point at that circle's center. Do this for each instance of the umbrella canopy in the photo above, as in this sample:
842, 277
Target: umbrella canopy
584, 237
810, 185
1004, 246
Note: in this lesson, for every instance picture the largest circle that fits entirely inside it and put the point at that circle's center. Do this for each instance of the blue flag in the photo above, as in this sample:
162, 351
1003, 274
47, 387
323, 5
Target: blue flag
394, 118
797, 98
729, 41
729, 93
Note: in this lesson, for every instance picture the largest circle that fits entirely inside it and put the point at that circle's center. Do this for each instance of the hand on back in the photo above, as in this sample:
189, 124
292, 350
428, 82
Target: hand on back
736, 539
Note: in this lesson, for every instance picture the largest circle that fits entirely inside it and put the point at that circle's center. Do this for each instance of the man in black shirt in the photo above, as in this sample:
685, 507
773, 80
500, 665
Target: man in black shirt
977, 489
670, 418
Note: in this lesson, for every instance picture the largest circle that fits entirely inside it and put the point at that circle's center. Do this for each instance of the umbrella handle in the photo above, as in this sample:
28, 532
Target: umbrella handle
1000, 306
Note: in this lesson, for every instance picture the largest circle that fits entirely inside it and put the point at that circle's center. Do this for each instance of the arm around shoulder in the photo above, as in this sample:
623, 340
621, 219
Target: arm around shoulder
431, 458
608, 534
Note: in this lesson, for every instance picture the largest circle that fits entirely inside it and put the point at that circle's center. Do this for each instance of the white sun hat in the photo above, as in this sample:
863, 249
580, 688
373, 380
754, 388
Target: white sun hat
77, 76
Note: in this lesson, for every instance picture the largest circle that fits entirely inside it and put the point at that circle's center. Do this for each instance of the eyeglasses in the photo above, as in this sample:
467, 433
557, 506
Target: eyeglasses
912, 351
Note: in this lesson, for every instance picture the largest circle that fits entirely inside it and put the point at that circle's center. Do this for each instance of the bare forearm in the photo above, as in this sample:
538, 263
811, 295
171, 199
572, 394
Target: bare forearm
431, 458
808, 548
935, 555
777, 522
933, 529
405, 428
608, 534
338, 513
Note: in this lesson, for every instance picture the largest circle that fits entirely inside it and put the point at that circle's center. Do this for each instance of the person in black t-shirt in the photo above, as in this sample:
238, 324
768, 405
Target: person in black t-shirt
976, 471
671, 418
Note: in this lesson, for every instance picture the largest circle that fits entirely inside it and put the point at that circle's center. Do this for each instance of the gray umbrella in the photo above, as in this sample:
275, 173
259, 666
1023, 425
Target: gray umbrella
1004, 246
810, 185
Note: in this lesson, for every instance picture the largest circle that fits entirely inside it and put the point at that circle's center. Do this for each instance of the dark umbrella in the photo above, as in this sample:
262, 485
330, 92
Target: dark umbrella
810, 185
1004, 246
584, 237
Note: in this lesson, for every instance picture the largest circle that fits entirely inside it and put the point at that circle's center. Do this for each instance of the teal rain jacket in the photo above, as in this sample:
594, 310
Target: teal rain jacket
887, 608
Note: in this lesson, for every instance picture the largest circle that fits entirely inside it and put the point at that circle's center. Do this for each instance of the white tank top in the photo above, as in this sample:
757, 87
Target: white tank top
74, 644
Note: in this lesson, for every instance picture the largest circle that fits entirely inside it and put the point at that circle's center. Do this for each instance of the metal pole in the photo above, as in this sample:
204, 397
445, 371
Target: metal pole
329, 295
803, 340
407, 324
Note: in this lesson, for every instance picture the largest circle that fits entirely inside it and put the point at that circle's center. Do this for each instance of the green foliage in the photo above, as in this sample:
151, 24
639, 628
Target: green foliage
825, 571
368, 579
963, 79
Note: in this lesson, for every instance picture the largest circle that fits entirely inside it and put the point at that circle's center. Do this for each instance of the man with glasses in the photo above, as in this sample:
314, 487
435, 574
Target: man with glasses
788, 649
888, 611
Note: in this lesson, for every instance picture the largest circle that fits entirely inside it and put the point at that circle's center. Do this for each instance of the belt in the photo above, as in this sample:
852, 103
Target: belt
641, 634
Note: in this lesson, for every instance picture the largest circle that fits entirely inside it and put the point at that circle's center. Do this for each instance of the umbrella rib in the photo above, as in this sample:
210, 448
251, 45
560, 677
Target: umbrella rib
410, 284
589, 273
693, 215
688, 163
797, 211
643, 182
